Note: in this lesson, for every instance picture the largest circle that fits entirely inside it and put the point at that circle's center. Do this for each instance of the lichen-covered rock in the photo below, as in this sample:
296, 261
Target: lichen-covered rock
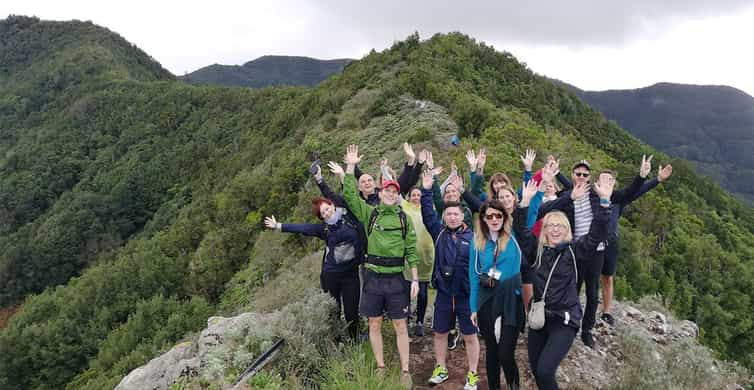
163, 371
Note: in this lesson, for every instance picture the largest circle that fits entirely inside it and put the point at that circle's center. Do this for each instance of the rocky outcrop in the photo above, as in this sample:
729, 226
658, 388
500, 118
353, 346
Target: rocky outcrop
186, 359
639, 334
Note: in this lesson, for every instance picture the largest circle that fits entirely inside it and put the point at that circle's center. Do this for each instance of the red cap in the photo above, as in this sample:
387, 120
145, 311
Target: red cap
388, 183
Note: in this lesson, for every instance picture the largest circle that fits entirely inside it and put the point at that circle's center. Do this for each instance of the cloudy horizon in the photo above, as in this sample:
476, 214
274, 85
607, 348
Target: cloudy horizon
591, 44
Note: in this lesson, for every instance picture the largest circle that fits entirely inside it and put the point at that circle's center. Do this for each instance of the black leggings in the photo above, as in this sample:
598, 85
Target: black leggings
589, 274
547, 348
344, 287
498, 354
422, 301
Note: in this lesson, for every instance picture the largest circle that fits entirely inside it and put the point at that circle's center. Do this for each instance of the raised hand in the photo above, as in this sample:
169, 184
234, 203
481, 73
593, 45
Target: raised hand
548, 172
555, 164
352, 155
481, 159
646, 166
427, 178
528, 190
410, 155
336, 169
423, 156
430, 160
453, 168
663, 173
604, 186
437, 171
579, 190
457, 181
472, 160
528, 159
270, 222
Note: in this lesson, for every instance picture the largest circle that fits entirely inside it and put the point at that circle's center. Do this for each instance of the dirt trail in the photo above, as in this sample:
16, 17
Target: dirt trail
423, 362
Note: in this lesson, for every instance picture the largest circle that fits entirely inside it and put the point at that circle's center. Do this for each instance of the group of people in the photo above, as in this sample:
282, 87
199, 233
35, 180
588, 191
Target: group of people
500, 259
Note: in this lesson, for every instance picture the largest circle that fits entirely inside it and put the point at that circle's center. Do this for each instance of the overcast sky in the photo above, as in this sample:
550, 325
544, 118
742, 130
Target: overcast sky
593, 44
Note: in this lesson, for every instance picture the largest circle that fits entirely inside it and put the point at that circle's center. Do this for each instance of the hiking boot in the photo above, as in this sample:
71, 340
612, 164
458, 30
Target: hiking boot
406, 380
471, 380
453, 340
587, 338
439, 375
608, 318
419, 329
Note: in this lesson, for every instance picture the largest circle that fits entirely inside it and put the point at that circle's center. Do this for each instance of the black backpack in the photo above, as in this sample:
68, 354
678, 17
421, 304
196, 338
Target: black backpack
401, 216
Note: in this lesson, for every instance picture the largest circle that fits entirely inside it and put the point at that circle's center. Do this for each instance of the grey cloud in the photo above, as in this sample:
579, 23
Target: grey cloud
572, 23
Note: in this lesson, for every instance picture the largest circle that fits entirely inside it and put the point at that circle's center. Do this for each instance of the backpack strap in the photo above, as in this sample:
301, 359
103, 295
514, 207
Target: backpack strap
401, 216
372, 220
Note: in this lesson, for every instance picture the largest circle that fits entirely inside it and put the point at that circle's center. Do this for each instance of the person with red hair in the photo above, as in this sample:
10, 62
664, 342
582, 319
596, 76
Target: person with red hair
344, 252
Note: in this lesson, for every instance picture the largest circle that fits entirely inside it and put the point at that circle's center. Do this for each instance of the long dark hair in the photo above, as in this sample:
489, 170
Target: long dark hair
482, 231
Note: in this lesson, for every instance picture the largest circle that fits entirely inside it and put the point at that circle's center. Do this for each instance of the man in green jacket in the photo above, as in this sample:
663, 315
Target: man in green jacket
391, 244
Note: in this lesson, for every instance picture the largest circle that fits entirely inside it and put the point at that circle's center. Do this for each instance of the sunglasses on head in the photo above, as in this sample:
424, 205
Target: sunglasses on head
493, 216
581, 174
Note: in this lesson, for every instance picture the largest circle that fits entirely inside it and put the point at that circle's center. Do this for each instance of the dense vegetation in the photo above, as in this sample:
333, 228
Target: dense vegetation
711, 126
268, 71
132, 202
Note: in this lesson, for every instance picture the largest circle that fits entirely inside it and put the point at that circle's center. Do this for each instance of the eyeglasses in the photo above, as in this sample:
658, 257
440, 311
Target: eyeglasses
493, 216
581, 174
555, 226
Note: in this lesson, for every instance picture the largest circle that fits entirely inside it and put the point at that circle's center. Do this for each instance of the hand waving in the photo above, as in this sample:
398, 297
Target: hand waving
270, 222
352, 155
646, 166
663, 173
528, 159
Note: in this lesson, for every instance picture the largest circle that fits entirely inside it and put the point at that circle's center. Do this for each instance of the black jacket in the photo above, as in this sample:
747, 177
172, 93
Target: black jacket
562, 299
564, 202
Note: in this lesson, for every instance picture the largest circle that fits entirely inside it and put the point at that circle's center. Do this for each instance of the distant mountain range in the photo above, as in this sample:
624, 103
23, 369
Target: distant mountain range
268, 71
709, 125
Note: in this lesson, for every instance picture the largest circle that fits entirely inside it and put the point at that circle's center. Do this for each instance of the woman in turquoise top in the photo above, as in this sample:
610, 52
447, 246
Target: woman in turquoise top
495, 283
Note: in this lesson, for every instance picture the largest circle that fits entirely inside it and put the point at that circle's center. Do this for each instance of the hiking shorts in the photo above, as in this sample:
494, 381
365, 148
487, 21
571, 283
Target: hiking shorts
447, 309
385, 294
611, 259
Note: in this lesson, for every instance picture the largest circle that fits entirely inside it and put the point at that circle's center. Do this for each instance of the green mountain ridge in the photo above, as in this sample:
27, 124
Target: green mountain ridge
154, 223
268, 71
710, 125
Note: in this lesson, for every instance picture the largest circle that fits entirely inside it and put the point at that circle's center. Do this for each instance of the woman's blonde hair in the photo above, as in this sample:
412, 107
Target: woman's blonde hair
552, 217
482, 231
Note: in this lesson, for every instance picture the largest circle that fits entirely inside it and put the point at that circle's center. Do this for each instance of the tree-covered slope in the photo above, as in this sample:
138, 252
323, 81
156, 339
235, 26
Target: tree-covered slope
163, 220
268, 71
711, 126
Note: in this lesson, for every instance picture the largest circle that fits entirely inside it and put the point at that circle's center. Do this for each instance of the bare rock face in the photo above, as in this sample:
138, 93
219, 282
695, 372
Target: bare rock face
185, 359
163, 371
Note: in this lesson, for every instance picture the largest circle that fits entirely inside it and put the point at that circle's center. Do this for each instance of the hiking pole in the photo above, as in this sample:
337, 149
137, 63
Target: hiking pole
263, 359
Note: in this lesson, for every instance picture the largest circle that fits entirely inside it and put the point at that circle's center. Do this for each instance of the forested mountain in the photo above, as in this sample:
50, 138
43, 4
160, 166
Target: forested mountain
132, 202
268, 71
709, 125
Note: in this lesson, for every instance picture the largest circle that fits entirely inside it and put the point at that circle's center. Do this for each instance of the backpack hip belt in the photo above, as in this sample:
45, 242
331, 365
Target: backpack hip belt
385, 261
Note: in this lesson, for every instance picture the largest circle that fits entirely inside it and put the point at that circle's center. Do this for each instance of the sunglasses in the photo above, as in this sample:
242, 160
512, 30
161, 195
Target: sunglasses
581, 174
492, 216
555, 226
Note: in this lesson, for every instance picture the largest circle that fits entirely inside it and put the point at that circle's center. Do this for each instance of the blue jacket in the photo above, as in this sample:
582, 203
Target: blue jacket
508, 263
451, 250
338, 237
